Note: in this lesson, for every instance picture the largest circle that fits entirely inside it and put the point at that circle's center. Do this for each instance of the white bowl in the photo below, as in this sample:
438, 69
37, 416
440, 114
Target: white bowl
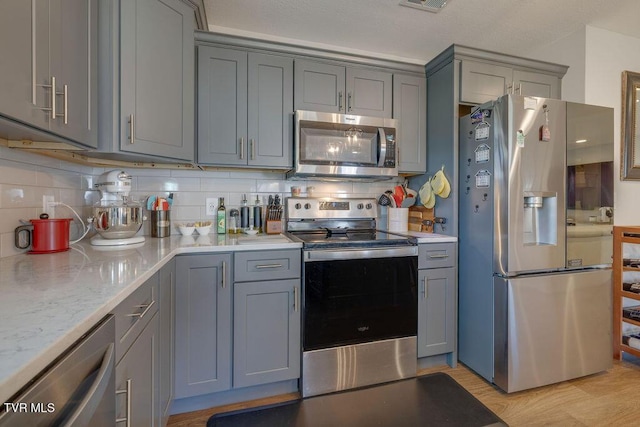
186, 230
203, 231
251, 232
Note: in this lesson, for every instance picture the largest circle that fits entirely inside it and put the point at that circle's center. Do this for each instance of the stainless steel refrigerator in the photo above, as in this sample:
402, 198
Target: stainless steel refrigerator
528, 314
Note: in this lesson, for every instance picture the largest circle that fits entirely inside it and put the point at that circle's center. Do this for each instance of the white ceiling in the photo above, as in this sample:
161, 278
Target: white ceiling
384, 27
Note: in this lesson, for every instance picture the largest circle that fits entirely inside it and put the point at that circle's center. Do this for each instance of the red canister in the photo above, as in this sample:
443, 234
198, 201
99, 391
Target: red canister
45, 235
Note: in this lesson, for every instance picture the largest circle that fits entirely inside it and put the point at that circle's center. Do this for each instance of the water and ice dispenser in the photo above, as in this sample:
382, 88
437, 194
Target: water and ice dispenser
540, 222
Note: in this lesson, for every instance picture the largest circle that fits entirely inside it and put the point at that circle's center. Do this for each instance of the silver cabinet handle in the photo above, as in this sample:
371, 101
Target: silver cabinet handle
241, 148
132, 128
146, 307
424, 284
519, 88
252, 148
295, 298
65, 104
438, 256
52, 97
224, 274
349, 97
340, 101
258, 267
127, 418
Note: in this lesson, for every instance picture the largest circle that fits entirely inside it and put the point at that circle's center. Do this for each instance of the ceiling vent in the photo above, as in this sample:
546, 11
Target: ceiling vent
428, 5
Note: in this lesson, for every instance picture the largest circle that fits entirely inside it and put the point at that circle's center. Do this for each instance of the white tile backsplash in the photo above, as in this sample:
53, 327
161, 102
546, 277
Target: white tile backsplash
26, 177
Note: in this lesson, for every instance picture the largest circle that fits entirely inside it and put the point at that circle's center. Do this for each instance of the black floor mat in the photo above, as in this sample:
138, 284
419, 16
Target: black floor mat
428, 400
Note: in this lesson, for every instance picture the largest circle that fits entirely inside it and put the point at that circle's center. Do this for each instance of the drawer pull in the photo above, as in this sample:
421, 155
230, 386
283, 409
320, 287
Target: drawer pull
268, 266
439, 256
126, 419
146, 307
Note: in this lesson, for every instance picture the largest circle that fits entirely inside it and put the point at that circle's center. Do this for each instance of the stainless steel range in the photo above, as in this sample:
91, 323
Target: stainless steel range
359, 295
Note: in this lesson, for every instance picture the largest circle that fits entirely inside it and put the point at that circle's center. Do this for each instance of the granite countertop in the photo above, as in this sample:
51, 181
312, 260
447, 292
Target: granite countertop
49, 301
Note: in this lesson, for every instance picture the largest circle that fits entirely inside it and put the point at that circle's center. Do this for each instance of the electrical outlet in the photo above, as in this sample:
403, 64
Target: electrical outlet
48, 206
211, 206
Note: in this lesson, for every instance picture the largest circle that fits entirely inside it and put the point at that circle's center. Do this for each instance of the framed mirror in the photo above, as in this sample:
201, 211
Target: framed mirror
630, 164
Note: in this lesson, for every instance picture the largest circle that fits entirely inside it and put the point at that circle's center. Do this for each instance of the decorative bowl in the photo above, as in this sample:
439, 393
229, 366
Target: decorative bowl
186, 230
251, 232
203, 230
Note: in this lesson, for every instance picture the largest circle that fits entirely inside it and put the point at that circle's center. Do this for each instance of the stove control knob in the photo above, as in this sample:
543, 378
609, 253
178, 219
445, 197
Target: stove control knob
307, 205
369, 205
298, 206
360, 206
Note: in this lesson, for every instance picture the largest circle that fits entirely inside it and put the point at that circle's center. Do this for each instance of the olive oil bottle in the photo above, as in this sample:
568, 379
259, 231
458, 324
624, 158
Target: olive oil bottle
221, 217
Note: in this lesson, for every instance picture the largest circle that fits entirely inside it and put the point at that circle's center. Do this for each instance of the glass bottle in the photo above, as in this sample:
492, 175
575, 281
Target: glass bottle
221, 217
244, 214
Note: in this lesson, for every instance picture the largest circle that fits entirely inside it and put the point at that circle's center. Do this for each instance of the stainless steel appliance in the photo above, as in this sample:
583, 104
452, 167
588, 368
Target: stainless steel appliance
359, 295
528, 314
116, 217
344, 146
77, 391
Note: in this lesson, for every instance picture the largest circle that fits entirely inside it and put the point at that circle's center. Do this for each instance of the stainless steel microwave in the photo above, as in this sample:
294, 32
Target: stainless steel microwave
339, 146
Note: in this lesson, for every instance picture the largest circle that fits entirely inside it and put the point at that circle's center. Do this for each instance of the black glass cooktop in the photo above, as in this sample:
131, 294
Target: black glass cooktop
349, 238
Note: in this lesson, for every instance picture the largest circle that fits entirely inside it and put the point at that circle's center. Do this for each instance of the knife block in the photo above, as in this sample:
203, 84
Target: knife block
273, 226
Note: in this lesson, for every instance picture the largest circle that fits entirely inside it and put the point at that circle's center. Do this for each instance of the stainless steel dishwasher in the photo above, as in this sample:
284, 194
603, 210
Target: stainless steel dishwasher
76, 390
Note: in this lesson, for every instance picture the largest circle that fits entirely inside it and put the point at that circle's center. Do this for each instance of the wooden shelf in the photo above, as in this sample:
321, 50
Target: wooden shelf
622, 235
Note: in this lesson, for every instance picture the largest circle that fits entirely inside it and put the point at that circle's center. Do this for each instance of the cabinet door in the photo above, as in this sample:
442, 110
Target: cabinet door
410, 108
369, 92
436, 311
24, 26
203, 324
135, 380
481, 82
157, 78
74, 50
166, 321
319, 87
536, 84
222, 106
266, 332
270, 120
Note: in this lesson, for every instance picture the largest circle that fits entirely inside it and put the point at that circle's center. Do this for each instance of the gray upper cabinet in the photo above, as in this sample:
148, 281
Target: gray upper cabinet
410, 108
203, 324
481, 82
147, 78
50, 81
338, 89
245, 108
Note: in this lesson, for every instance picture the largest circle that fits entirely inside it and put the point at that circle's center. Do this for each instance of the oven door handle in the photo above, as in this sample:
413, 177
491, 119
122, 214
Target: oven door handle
360, 253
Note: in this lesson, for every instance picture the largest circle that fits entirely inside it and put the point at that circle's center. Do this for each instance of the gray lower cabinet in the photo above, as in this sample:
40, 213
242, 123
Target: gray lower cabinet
266, 332
437, 300
203, 324
410, 108
147, 73
137, 356
50, 80
245, 108
166, 342
333, 88
136, 379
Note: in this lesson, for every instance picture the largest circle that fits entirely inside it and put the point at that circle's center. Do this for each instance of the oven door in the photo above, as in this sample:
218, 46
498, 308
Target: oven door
359, 296
344, 145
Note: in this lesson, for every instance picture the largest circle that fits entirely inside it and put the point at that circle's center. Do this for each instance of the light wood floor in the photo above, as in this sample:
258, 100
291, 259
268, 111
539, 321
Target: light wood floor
610, 398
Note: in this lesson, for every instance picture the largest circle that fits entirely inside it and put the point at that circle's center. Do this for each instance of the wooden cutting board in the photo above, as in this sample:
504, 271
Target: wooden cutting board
417, 214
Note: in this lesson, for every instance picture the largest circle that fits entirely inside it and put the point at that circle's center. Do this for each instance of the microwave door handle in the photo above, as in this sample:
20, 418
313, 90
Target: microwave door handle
382, 138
